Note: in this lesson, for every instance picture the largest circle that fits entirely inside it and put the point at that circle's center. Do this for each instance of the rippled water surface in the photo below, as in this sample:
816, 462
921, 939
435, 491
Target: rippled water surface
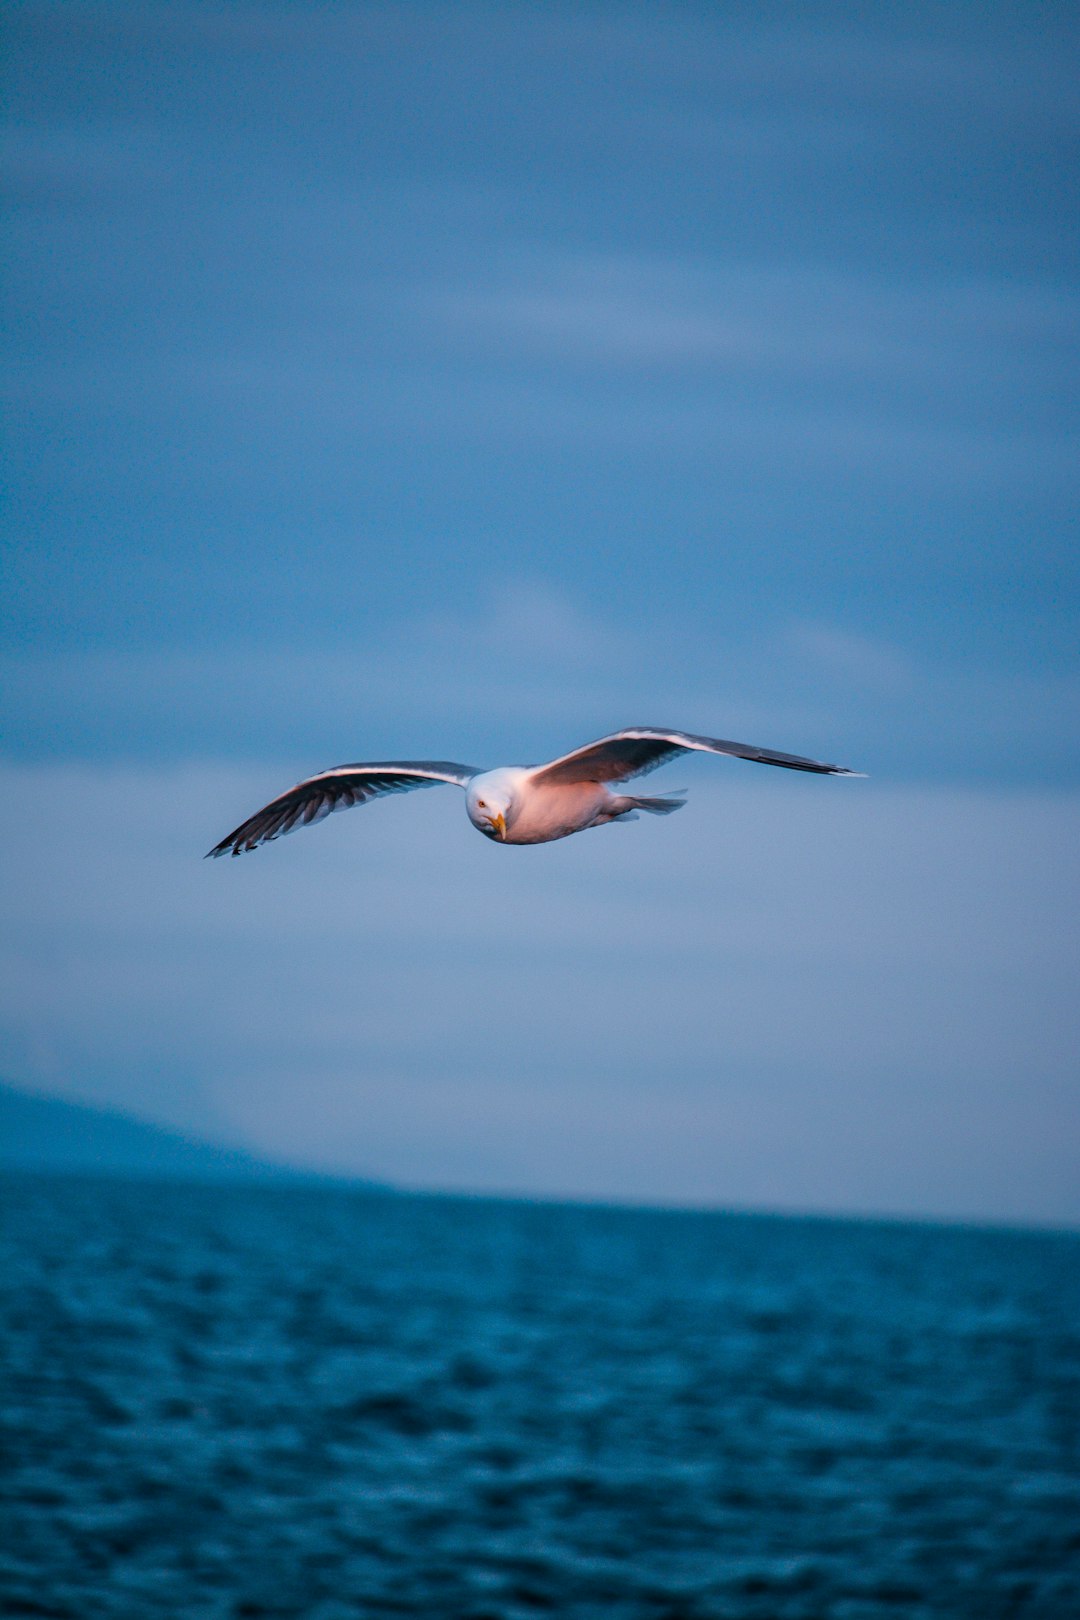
300, 1401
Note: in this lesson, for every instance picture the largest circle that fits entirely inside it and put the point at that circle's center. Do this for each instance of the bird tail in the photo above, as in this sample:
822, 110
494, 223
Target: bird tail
659, 806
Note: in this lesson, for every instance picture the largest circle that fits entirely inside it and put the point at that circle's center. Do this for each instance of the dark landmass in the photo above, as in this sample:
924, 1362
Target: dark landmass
49, 1133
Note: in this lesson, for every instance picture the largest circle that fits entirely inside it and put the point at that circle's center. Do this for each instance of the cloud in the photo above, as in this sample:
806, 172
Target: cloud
519, 658
799, 993
638, 310
522, 670
854, 657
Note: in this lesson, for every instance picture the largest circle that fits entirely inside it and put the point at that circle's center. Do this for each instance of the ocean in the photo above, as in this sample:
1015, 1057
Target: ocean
307, 1400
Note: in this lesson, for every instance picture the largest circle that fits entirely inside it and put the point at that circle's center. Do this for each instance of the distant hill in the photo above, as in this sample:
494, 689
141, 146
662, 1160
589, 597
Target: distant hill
47, 1133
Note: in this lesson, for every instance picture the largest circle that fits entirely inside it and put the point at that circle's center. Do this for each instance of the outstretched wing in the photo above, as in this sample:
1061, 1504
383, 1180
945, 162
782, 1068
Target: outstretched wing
338, 789
642, 748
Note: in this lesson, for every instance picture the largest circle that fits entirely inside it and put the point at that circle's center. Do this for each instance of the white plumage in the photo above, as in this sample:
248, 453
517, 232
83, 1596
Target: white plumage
514, 804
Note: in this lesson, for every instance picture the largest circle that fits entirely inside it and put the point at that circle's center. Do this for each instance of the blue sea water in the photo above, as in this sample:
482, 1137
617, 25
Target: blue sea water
244, 1401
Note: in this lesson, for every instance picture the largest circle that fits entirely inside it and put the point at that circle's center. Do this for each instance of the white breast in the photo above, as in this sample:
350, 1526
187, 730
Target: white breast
553, 810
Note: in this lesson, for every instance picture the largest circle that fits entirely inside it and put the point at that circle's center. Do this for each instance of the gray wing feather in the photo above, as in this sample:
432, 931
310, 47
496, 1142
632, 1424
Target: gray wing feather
639, 749
337, 789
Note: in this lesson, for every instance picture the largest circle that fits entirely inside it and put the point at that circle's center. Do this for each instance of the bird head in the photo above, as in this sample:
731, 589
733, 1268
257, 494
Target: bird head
488, 800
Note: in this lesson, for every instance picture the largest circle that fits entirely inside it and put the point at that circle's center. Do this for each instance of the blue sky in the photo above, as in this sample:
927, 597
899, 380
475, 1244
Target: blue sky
469, 381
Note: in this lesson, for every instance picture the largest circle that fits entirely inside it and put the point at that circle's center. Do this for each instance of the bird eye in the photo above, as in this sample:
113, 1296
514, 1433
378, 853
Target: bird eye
482, 803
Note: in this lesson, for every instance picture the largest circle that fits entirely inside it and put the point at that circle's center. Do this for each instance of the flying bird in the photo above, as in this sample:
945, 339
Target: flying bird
514, 804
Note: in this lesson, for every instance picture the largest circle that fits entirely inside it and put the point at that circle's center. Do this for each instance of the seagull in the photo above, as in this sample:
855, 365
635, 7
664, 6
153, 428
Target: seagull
514, 804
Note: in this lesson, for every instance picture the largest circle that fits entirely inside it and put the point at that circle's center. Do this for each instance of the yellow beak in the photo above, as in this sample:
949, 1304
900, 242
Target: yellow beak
498, 824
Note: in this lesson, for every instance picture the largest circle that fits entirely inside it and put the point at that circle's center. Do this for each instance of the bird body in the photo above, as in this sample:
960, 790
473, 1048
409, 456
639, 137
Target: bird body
514, 804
